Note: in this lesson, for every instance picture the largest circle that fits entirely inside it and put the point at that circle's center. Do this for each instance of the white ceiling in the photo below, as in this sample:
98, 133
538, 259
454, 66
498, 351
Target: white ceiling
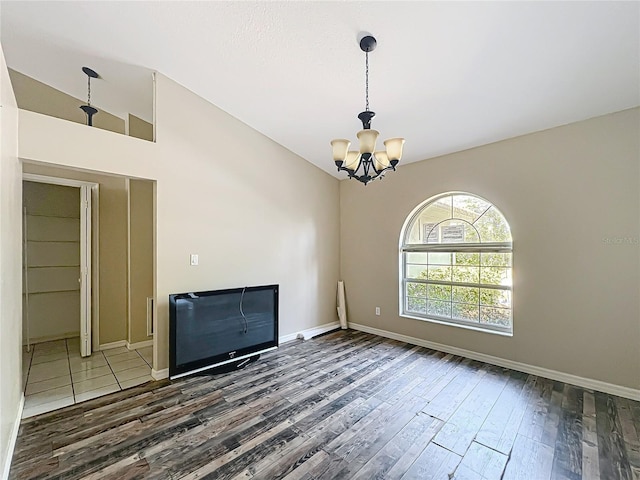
446, 75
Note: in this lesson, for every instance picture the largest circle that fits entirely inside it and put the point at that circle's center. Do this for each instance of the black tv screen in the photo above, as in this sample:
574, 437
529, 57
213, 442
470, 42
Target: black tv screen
212, 328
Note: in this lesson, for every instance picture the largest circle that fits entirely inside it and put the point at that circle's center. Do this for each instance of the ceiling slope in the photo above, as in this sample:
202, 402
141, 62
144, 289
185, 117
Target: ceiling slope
447, 76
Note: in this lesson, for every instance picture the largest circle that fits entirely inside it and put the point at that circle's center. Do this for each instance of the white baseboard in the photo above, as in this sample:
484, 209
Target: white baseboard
631, 393
146, 343
310, 332
160, 374
12, 440
108, 346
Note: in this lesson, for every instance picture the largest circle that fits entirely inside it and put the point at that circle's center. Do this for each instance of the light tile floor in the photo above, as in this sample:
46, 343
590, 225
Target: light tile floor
55, 375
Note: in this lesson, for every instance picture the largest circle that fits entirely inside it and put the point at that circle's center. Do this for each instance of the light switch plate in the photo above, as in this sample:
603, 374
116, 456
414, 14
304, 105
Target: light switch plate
194, 259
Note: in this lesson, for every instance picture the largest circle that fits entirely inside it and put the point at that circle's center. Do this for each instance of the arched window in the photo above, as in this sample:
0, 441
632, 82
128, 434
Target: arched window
455, 263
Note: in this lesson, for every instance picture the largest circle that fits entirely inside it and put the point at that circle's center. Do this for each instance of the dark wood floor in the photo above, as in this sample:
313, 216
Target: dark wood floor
345, 405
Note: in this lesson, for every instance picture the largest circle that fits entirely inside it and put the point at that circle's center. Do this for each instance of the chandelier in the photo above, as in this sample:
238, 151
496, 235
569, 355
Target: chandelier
367, 164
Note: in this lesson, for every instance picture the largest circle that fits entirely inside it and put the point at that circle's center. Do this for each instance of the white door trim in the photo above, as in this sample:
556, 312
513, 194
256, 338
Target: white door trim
67, 182
85, 271
88, 295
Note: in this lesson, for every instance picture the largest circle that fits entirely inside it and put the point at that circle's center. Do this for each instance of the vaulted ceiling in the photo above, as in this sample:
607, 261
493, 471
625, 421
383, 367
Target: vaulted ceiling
447, 76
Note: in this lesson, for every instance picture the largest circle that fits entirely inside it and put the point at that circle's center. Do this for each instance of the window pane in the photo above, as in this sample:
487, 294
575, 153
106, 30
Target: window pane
441, 309
440, 273
416, 289
457, 231
439, 292
414, 235
441, 208
416, 257
431, 232
471, 235
466, 274
496, 316
416, 305
464, 311
466, 295
433, 214
495, 298
467, 259
469, 208
495, 276
416, 271
493, 227
440, 258
496, 259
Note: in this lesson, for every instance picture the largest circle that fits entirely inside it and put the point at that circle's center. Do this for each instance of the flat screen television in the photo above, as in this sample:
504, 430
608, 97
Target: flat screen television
218, 327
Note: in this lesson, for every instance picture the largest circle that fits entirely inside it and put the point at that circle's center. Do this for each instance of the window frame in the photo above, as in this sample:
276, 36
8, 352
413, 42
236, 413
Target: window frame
477, 247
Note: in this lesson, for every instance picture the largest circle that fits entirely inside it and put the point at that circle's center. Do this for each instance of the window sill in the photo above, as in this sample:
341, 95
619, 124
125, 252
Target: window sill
459, 325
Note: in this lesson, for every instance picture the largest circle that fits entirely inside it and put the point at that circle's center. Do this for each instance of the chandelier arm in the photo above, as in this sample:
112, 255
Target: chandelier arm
342, 168
365, 178
350, 173
366, 165
380, 172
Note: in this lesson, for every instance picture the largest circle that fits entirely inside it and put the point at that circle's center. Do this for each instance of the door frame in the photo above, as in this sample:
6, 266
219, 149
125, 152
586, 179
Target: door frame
89, 280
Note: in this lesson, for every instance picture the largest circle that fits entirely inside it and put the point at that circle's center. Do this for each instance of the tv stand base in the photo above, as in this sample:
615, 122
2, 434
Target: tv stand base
231, 366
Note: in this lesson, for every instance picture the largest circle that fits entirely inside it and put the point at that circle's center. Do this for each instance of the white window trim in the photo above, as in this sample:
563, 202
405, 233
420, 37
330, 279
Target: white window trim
458, 324
498, 247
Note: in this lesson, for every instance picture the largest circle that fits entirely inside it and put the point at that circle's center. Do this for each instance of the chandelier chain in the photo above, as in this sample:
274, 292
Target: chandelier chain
88, 90
367, 81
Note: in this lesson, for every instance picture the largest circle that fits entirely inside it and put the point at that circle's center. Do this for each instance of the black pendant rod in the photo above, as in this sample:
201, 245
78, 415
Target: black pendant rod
367, 44
88, 109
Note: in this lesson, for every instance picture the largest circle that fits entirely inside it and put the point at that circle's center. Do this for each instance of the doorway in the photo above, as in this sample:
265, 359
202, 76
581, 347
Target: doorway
57, 260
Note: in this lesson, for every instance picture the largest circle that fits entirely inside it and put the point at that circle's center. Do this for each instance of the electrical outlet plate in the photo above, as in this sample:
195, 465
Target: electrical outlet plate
377, 310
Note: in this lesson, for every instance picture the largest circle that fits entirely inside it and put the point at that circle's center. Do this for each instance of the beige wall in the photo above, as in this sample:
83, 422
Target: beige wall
570, 194
53, 259
10, 269
112, 245
140, 129
140, 257
38, 97
254, 212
